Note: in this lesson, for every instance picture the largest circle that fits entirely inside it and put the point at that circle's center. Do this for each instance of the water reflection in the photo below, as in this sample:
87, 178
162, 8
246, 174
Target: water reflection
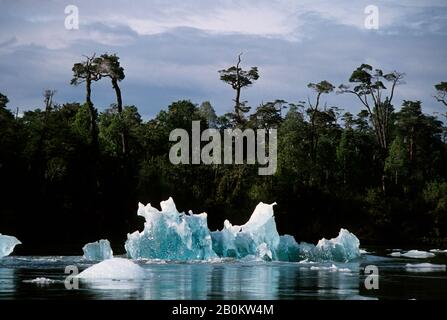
7, 283
228, 281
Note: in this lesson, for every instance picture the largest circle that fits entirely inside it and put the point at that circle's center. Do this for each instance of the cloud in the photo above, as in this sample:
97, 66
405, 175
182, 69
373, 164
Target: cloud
173, 49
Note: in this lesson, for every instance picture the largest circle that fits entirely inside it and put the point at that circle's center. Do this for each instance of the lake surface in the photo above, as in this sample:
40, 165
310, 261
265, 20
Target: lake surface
229, 279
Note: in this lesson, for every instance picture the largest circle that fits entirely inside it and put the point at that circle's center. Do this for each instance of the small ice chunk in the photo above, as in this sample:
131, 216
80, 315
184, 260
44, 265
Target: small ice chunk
7, 244
41, 281
333, 267
425, 267
438, 251
113, 269
98, 251
363, 251
395, 254
416, 254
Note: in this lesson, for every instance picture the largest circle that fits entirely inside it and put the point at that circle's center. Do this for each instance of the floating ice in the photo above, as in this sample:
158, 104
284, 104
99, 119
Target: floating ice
418, 254
425, 267
41, 281
257, 237
113, 269
169, 234
395, 254
7, 244
438, 251
98, 251
343, 248
332, 268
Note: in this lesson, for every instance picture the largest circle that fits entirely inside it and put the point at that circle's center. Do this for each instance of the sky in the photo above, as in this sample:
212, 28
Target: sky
173, 49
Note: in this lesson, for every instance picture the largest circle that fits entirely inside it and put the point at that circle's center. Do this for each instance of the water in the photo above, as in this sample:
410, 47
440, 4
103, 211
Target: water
228, 280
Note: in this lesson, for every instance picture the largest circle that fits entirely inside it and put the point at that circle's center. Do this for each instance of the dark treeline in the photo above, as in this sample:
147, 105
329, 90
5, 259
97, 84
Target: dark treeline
70, 175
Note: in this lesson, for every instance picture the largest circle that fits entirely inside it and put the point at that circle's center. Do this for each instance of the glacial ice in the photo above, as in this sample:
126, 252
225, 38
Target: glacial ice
7, 244
332, 268
40, 281
113, 269
343, 248
416, 254
98, 251
171, 235
438, 251
257, 237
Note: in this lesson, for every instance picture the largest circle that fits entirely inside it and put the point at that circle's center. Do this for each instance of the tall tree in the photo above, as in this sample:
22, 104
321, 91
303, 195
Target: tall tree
372, 93
109, 66
87, 72
441, 93
238, 78
3, 100
323, 87
48, 96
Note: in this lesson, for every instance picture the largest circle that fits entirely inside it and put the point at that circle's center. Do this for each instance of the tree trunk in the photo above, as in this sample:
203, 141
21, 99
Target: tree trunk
119, 105
237, 107
92, 115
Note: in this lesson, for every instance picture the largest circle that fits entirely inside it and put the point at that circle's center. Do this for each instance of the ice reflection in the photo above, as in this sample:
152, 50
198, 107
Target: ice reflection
229, 281
7, 282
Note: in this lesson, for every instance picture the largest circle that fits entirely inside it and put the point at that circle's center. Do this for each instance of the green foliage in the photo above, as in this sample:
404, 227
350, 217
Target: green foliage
331, 173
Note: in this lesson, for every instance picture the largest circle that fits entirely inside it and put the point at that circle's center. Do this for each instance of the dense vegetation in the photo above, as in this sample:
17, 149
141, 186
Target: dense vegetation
69, 175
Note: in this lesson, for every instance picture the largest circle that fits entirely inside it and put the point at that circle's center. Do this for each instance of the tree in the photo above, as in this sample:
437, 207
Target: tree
396, 162
3, 101
371, 91
109, 66
441, 95
206, 110
87, 72
238, 78
48, 99
268, 115
323, 87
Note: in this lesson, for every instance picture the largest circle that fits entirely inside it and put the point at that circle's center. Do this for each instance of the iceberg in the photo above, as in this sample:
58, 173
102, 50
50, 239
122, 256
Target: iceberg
113, 269
7, 244
345, 247
98, 251
169, 234
257, 237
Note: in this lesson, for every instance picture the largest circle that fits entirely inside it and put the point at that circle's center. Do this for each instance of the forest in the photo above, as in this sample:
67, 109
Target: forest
71, 174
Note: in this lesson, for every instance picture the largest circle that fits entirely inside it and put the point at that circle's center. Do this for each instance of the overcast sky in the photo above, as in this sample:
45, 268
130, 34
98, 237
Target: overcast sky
172, 49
